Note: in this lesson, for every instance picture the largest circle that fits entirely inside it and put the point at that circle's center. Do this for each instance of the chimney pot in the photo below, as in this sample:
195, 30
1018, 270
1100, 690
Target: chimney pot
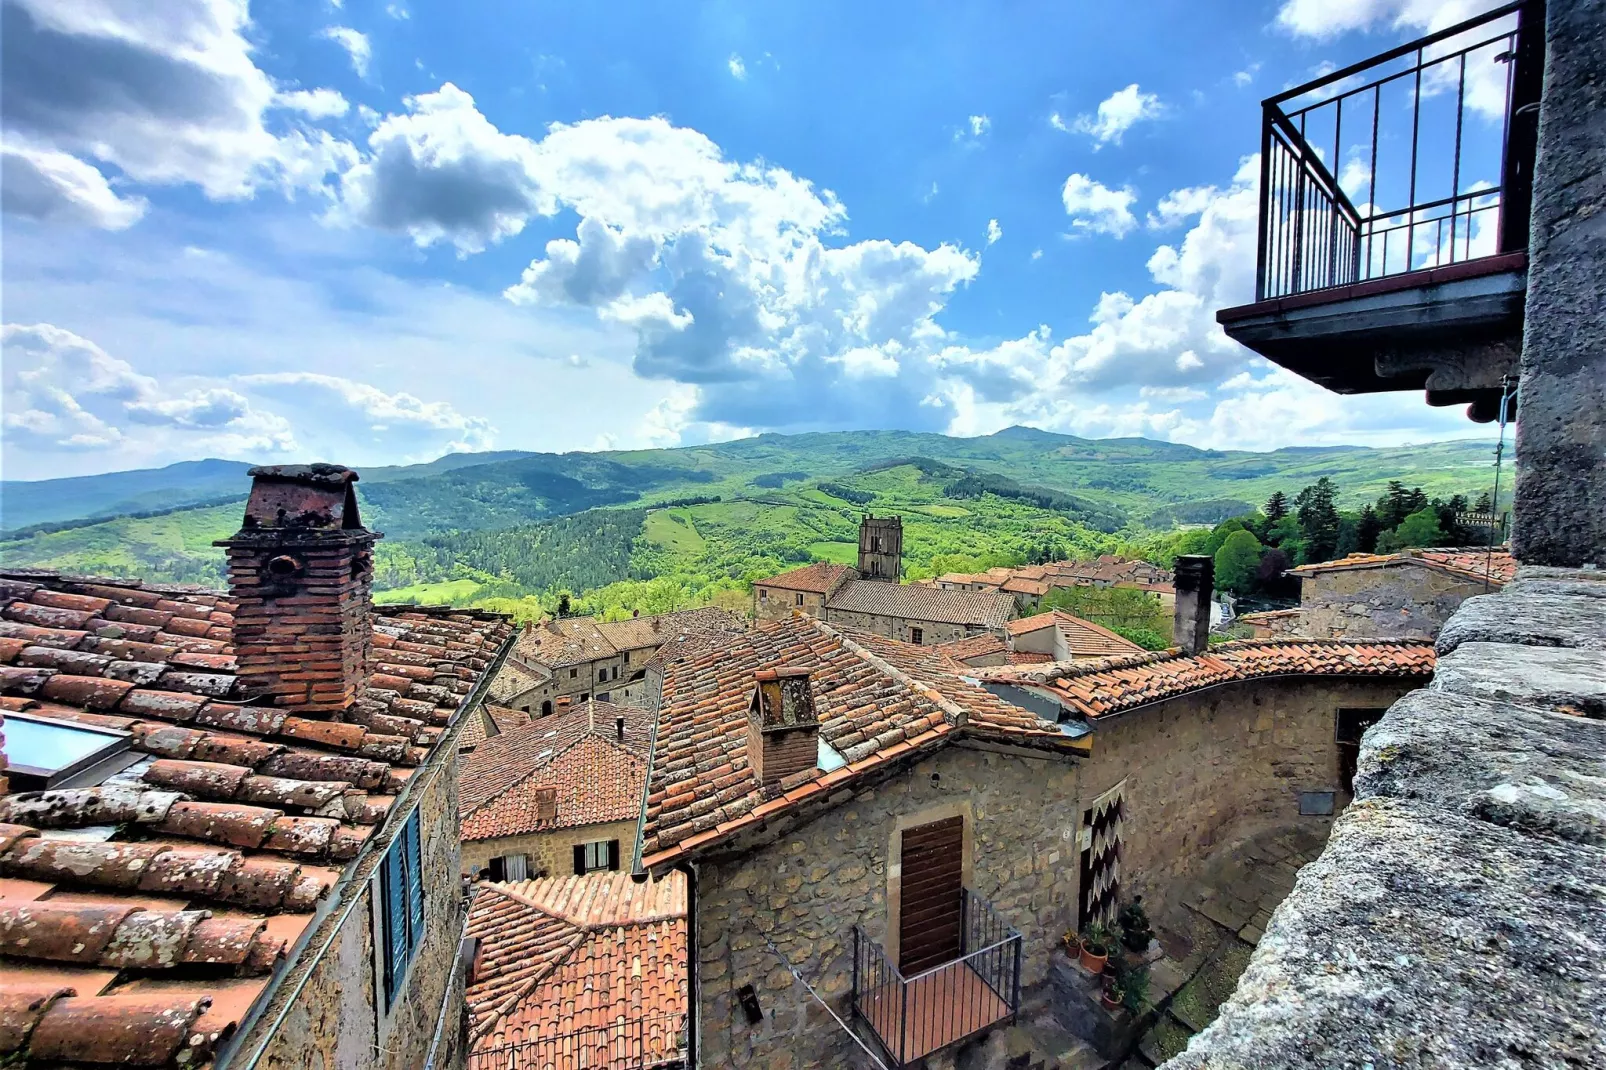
619, 727
783, 728
1195, 582
302, 555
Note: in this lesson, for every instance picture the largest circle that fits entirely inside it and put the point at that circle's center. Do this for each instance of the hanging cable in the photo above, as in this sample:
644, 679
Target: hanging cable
1508, 388
821, 1001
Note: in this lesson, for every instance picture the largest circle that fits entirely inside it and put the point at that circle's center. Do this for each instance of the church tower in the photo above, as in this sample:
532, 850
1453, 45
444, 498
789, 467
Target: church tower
881, 548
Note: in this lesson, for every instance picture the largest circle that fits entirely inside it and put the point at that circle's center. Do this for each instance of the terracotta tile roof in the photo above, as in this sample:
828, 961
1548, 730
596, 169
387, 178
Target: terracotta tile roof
912, 602
564, 642
1269, 615
1025, 585
1028, 657
516, 678
973, 646
600, 955
1113, 685
877, 700
1083, 638
140, 919
488, 721
1466, 562
1111, 569
639, 633
822, 577
576, 757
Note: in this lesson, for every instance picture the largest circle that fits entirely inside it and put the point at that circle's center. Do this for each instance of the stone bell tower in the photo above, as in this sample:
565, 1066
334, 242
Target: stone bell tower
881, 548
301, 570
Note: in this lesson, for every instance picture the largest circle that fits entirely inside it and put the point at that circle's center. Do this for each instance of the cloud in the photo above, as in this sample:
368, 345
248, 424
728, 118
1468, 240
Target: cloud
1057, 121
1117, 114
1323, 19
1097, 209
164, 93
738, 69
994, 231
442, 172
384, 413
65, 393
356, 45
55, 187
314, 103
979, 125
1243, 78
1180, 205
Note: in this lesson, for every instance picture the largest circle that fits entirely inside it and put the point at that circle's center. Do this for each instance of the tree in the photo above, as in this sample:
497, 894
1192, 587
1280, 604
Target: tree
1237, 562
1318, 520
563, 604
1219, 533
1367, 529
1421, 528
1485, 504
1276, 507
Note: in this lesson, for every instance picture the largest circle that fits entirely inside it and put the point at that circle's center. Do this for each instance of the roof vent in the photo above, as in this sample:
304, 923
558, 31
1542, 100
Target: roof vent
619, 727
783, 730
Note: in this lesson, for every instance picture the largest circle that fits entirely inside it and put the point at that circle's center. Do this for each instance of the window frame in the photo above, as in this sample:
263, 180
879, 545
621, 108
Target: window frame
596, 856
800, 599
917, 636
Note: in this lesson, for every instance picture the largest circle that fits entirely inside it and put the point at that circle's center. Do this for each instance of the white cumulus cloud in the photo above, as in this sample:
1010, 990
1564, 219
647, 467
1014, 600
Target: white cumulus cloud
1116, 114
400, 414
738, 69
314, 103
1098, 209
994, 231
356, 46
54, 186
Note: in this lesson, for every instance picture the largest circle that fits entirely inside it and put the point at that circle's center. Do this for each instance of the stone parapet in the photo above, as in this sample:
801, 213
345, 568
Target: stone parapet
1458, 914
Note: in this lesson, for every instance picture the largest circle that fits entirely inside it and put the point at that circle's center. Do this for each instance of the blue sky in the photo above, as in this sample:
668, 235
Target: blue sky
374, 232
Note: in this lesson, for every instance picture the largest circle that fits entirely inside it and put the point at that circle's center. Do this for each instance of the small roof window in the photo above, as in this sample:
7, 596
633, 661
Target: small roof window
828, 757
44, 753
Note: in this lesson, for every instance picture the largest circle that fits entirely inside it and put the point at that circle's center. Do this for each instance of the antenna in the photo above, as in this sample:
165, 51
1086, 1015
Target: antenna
1508, 394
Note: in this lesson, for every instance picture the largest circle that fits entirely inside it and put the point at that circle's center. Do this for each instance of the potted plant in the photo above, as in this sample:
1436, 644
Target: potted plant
1072, 943
1113, 995
1135, 989
1095, 948
1136, 933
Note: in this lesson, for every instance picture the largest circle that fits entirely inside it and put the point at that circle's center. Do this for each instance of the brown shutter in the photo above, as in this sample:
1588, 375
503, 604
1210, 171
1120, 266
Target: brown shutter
930, 889
579, 859
613, 855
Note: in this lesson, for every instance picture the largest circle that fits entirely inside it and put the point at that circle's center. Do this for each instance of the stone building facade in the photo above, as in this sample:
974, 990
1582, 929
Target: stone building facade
1404, 595
549, 852
801, 590
915, 613
881, 548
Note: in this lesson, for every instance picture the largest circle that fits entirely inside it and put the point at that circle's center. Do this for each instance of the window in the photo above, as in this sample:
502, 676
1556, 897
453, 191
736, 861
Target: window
597, 855
574, 674
917, 636
45, 753
401, 903
546, 707
515, 867
763, 594
799, 598
627, 657
604, 696
1350, 727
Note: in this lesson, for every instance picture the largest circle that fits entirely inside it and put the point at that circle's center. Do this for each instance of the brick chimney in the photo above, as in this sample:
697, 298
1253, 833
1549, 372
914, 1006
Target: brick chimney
301, 569
783, 731
1195, 582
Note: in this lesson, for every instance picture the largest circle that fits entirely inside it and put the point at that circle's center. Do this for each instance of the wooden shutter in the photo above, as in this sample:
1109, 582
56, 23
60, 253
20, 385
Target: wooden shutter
415, 881
579, 859
930, 911
393, 882
613, 855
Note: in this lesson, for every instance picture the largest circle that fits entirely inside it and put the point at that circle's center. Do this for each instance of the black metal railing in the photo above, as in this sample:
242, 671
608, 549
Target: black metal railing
911, 1017
656, 1042
1413, 159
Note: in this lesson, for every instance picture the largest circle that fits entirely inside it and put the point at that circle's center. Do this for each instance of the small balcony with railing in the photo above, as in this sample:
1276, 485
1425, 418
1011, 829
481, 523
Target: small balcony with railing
974, 987
1393, 230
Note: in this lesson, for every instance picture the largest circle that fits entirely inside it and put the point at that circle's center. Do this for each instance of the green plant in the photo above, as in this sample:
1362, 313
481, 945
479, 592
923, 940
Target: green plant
1135, 929
1096, 939
1072, 942
1135, 988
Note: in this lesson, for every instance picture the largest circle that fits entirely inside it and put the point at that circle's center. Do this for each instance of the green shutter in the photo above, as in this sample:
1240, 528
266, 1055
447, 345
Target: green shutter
415, 882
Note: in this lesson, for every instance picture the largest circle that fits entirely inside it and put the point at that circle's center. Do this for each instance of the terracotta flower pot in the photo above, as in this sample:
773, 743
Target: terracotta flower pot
1110, 1000
1091, 962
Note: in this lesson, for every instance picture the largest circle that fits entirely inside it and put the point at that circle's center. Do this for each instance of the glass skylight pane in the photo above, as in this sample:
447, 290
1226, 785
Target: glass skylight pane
828, 758
48, 746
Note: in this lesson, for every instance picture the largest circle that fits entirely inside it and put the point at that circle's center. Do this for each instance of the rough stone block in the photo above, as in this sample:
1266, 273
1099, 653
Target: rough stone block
1526, 676
1537, 772
1528, 619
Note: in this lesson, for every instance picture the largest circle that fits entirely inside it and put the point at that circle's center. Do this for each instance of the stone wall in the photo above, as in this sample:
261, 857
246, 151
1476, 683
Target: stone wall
899, 627
1401, 600
550, 853
606, 676
772, 603
1207, 768
333, 1023
1458, 914
1198, 770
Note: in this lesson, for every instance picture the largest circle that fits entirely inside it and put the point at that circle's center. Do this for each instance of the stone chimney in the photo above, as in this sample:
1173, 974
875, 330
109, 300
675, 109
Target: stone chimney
619, 728
301, 570
1195, 582
783, 732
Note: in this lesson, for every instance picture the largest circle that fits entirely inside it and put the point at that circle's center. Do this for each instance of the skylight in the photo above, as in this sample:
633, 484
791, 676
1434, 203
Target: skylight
44, 753
828, 758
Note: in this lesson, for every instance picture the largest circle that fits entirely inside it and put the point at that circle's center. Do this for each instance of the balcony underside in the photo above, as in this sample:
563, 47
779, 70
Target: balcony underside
1452, 331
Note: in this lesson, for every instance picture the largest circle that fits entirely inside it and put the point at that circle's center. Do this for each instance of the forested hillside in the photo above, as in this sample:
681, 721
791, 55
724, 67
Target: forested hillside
659, 528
